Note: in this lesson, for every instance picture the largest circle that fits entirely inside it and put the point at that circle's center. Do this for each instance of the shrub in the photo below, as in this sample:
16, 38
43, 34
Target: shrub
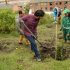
27, 9
61, 53
7, 20
47, 19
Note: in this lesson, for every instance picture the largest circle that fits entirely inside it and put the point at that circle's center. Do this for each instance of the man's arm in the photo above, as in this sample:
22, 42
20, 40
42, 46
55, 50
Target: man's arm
18, 21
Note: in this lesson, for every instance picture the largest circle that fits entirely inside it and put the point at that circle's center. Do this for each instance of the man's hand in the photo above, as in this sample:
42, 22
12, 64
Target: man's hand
21, 31
36, 35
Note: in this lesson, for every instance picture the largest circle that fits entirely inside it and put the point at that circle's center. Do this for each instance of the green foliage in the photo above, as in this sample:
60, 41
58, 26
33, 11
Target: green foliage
7, 20
22, 57
27, 9
61, 53
58, 53
47, 19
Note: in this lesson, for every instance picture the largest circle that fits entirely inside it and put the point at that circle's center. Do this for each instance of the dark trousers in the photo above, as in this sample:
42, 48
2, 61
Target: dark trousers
33, 45
65, 32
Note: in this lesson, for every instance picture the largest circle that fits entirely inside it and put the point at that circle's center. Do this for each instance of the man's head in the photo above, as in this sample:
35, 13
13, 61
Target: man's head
39, 13
66, 11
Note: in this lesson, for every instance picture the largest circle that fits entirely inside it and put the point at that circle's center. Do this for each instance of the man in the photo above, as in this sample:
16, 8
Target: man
31, 21
20, 28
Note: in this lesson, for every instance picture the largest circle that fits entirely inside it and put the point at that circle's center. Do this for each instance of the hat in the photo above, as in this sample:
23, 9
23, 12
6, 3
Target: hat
66, 11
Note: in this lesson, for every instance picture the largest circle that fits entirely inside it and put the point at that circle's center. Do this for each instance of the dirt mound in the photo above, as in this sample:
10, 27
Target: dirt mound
49, 50
60, 36
5, 45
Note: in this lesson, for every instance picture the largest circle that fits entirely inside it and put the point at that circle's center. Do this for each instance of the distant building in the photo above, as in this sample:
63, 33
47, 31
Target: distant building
48, 5
13, 4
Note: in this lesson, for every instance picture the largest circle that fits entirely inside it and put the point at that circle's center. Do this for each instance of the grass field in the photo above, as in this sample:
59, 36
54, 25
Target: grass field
19, 57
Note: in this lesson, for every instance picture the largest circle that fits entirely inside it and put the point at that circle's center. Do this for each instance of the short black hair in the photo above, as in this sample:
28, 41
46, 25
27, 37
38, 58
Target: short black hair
39, 13
20, 12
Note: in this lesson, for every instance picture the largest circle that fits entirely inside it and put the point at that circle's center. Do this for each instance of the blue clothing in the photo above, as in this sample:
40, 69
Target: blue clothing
33, 46
55, 12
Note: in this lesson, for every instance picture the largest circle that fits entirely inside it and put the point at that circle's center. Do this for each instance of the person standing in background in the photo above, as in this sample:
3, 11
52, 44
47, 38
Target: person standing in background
55, 14
59, 16
20, 26
65, 26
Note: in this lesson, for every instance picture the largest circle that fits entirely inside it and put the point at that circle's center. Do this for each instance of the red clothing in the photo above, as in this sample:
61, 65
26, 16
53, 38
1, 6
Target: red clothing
31, 22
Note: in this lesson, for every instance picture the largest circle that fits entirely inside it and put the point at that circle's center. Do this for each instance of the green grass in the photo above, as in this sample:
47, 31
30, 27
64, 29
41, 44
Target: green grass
20, 57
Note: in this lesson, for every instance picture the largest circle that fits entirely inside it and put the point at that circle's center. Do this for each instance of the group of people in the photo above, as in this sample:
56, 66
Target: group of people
65, 22
31, 21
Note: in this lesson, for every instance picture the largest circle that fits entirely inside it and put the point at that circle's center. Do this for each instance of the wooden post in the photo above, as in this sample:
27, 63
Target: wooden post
56, 39
56, 35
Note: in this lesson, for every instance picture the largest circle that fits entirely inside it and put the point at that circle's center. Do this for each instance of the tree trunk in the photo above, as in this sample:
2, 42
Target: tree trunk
6, 1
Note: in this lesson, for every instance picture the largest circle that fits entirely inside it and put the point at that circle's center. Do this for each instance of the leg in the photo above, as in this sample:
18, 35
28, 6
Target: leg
55, 19
65, 35
59, 18
27, 42
33, 46
20, 39
68, 34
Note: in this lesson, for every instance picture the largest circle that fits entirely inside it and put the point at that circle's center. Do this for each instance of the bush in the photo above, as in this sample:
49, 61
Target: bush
27, 9
47, 19
7, 20
61, 53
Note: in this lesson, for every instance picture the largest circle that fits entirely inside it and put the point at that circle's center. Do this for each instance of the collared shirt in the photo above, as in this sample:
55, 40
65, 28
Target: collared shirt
31, 22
